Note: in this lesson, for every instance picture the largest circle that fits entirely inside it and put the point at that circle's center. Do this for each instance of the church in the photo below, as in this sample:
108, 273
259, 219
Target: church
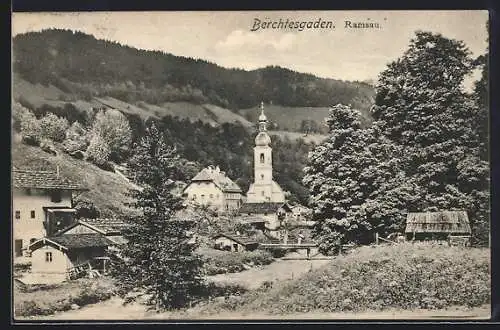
264, 189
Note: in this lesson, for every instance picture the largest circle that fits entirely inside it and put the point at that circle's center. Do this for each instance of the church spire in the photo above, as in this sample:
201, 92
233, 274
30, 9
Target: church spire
262, 119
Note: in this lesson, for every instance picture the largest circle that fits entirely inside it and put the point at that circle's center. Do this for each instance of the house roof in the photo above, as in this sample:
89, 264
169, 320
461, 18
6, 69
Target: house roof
25, 178
73, 241
261, 208
105, 226
219, 178
243, 240
438, 222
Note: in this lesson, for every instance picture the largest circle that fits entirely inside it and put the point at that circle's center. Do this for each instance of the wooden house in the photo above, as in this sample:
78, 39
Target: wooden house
69, 256
42, 203
272, 213
234, 242
437, 225
111, 228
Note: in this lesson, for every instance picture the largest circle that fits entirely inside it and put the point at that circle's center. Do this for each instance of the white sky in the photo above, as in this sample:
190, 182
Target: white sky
225, 37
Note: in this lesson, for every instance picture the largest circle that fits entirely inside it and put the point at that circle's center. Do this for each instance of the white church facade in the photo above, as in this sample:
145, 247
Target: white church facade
264, 189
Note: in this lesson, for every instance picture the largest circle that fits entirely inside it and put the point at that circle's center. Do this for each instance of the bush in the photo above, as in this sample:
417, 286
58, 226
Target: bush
98, 151
30, 129
221, 262
48, 299
86, 209
405, 276
76, 138
53, 127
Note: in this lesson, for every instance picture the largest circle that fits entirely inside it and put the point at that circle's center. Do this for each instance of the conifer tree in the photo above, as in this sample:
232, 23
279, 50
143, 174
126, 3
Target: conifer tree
159, 256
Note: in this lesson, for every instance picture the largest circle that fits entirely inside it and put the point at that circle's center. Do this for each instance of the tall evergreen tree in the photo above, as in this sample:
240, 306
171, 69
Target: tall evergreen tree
159, 256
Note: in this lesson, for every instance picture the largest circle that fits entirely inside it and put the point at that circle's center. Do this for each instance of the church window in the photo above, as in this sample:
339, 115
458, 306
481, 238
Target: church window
262, 158
262, 176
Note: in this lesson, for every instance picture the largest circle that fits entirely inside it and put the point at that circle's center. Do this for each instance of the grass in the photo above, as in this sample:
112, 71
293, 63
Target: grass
32, 300
222, 262
107, 190
404, 277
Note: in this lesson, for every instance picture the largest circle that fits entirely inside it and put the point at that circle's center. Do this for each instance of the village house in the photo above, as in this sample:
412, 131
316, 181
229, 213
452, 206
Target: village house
437, 225
69, 256
273, 215
234, 242
42, 203
211, 187
111, 228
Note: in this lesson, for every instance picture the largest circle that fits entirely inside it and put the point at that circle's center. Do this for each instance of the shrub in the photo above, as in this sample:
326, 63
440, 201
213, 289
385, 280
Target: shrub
76, 138
48, 299
86, 209
221, 262
98, 151
53, 127
30, 129
404, 276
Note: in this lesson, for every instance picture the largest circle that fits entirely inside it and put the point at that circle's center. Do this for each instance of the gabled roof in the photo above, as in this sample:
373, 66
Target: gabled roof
438, 222
219, 178
261, 208
105, 226
243, 240
25, 178
74, 241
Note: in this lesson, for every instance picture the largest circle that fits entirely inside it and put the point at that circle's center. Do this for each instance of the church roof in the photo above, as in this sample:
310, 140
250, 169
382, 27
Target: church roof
262, 139
218, 177
261, 208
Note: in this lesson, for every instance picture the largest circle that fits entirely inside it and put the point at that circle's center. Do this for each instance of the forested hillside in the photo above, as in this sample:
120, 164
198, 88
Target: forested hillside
78, 63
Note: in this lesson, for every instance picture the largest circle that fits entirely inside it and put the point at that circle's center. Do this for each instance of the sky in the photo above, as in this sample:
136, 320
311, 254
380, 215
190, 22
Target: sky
227, 39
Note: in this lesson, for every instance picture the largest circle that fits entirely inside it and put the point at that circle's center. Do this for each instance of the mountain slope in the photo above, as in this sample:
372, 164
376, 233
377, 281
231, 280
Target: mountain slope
107, 190
80, 64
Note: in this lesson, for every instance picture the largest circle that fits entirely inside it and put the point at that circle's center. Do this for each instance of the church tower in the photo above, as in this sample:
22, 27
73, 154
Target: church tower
264, 189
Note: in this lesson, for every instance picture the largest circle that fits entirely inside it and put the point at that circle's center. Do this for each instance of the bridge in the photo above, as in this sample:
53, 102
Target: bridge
292, 246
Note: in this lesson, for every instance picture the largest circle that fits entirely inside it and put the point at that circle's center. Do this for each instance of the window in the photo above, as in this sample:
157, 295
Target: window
32, 240
262, 176
18, 247
202, 196
32, 214
262, 192
211, 196
194, 196
48, 256
262, 158
18, 214
55, 196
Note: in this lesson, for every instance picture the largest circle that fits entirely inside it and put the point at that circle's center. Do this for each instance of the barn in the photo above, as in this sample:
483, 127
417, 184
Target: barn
437, 225
66, 256
234, 243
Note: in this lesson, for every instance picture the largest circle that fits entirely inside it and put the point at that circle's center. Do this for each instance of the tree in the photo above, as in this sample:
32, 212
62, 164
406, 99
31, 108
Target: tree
340, 180
53, 127
159, 256
76, 138
421, 106
98, 151
30, 129
114, 130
